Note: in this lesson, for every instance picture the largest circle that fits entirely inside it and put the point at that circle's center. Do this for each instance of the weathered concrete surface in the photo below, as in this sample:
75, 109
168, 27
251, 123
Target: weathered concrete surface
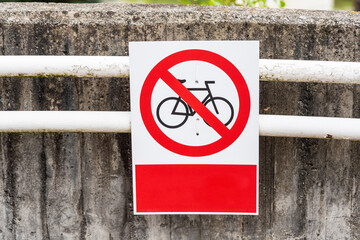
78, 186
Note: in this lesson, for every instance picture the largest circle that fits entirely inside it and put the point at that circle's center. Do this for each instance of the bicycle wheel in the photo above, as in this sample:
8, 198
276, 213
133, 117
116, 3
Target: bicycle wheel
172, 112
225, 110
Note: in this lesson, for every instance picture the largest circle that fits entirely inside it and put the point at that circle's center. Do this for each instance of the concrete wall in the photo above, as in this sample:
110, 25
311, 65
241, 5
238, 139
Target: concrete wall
78, 186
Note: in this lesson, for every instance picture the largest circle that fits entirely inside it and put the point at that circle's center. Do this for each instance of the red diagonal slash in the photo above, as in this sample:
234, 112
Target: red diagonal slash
194, 103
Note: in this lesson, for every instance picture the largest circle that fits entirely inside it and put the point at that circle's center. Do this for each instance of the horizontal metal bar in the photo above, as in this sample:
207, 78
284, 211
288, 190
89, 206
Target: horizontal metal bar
118, 66
64, 121
310, 127
64, 66
309, 71
85, 121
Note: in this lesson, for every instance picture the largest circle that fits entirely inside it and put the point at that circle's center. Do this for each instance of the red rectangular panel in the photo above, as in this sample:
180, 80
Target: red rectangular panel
196, 188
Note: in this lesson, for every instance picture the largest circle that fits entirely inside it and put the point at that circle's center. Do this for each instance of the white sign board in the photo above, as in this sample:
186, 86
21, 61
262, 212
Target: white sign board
194, 121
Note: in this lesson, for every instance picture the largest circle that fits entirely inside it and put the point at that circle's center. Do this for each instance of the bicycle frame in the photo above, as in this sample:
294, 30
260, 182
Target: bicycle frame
191, 112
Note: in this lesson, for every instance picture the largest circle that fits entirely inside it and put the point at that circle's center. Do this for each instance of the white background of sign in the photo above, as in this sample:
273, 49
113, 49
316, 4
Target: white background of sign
243, 54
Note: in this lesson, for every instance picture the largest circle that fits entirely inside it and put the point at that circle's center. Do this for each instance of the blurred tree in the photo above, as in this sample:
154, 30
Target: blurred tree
357, 5
250, 3
345, 5
58, 1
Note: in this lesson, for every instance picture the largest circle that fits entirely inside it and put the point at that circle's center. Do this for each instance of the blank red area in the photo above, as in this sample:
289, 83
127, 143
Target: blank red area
196, 188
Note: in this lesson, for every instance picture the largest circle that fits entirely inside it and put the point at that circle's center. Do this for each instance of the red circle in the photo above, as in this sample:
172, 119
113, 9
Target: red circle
195, 55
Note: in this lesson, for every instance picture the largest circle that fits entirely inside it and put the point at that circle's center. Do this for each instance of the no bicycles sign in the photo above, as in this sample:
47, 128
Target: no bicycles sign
195, 129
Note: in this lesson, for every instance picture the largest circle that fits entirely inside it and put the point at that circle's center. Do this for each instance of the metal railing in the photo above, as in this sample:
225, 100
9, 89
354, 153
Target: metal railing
99, 66
118, 66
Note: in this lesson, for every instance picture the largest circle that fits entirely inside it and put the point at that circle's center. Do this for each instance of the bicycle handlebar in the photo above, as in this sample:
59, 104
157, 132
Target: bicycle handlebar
206, 82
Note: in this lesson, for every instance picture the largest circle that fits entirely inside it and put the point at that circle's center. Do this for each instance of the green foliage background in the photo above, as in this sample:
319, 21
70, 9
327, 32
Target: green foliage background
63, 1
344, 4
252, 3
339, 4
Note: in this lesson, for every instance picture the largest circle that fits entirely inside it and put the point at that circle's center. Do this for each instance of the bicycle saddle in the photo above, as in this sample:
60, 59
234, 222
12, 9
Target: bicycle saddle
182, 80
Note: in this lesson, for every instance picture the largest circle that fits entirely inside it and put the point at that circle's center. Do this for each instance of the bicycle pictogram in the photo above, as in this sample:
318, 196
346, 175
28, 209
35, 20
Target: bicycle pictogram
219, 106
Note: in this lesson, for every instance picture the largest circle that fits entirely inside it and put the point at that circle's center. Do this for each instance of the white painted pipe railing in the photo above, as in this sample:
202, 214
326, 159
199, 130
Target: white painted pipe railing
85, 121
309, 71
118, 66
310, 127
64, 121
63, 66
